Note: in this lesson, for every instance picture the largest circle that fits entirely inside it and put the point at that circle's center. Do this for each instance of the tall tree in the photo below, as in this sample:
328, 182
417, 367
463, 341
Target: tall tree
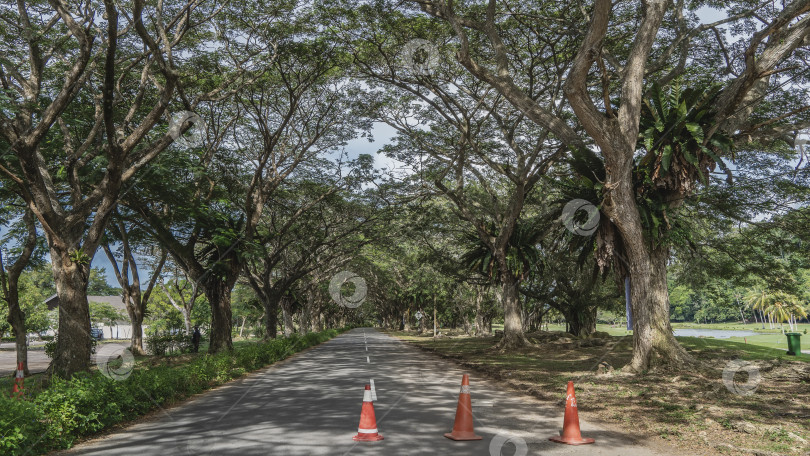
613, 120
73, 180
128, 276
10, 286
313, 226
295, 113
479, 152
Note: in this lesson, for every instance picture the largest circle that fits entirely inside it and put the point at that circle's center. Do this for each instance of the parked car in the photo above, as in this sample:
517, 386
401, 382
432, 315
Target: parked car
97, 333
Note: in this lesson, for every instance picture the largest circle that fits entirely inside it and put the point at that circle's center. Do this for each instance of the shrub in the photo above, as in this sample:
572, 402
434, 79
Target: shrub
165, 342
50, 346
68, 409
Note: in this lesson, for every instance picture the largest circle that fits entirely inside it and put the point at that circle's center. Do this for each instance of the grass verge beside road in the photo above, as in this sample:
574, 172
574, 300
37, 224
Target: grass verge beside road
55, 417
771, 338
694, 411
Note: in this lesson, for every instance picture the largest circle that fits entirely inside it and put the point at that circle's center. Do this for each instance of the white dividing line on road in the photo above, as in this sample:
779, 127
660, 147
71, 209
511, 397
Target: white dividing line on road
368, 360
373, 391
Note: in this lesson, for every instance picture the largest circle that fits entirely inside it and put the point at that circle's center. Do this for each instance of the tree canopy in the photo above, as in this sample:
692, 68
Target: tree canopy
547, 154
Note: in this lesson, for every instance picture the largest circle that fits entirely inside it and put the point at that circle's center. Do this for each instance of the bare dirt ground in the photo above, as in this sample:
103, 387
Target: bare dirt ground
761, 409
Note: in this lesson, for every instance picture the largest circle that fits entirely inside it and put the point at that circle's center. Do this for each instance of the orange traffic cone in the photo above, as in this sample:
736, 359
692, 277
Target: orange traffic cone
19, 382
463, 427
571, 433
367, 431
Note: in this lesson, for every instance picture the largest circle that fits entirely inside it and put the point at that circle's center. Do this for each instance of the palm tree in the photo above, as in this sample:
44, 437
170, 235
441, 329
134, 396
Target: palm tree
780, 306
785, 307
522, 250
758, 298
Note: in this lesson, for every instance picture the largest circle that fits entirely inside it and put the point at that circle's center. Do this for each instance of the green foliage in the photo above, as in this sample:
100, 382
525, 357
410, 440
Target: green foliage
521, 250
79, 257
35, 286
168, 342
676, 131
69, 409
97, 284
50, 346
673, 127
105, 313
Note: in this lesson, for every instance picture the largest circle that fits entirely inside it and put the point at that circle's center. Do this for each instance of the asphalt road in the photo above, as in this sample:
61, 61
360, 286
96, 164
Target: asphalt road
37, 361
310, 405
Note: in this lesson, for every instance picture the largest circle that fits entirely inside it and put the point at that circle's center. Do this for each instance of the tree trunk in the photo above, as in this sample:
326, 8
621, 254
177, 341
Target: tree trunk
73, 344
289, 326
136, 339
312, 312
307, 320
513, 336
219, 295
406, 318
16, 318
653, 339
465, 323
423, 322
10, 289
186, 320
581, 322
479, 316
480, 326
271, 304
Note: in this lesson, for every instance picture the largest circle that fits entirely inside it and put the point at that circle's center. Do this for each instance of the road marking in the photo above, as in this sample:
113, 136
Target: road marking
368, 360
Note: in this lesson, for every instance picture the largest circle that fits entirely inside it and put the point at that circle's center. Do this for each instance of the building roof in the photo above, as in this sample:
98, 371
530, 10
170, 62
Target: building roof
115, 301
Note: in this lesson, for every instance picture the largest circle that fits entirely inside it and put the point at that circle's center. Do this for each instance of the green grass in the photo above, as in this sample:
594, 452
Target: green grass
766, 344
749, 351
738, 326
